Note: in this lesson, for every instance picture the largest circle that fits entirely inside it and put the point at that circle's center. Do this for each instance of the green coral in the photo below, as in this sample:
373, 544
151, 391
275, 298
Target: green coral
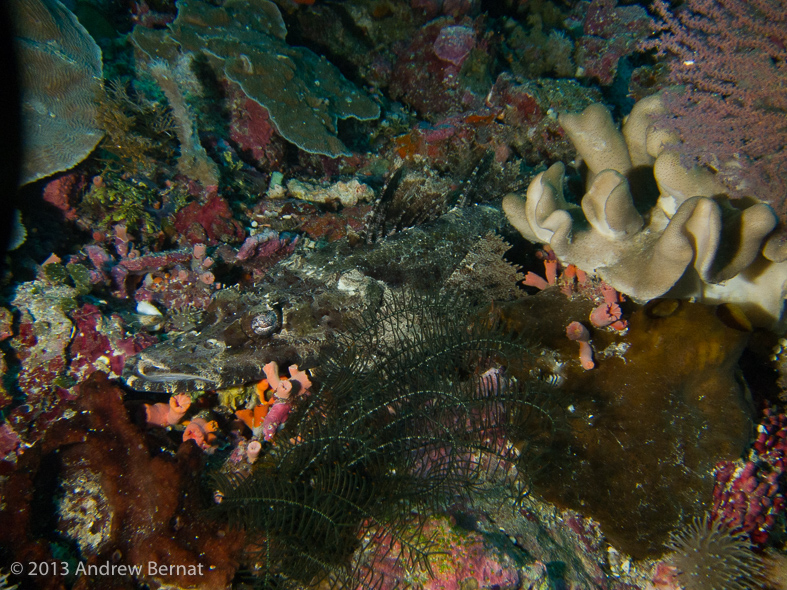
80, 276
235, 397
121, 202
68, 304
64, 381
57, 274
139, 132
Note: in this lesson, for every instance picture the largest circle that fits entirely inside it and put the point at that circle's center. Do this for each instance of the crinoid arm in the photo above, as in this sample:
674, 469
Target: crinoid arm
415, 411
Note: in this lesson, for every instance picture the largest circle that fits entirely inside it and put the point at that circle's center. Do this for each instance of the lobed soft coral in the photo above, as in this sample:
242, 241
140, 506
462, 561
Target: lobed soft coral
694, 243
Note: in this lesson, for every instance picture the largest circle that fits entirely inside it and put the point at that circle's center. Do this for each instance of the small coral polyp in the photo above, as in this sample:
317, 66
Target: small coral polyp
709, 555
693, 243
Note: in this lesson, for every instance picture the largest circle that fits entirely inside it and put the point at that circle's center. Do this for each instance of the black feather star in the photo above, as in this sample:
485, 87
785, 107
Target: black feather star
414, 412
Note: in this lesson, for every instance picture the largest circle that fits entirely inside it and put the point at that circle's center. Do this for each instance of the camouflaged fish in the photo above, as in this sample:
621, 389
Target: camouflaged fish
289, 315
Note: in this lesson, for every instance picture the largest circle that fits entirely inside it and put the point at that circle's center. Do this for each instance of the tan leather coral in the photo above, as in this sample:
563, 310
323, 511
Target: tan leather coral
694, 242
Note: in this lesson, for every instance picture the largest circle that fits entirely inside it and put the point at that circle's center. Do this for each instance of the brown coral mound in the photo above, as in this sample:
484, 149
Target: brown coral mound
650, 421
121, 503
711, 556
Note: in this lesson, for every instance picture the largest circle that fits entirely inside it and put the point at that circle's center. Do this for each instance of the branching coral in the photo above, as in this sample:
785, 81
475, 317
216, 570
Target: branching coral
194, 161
728, 60
694, 243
